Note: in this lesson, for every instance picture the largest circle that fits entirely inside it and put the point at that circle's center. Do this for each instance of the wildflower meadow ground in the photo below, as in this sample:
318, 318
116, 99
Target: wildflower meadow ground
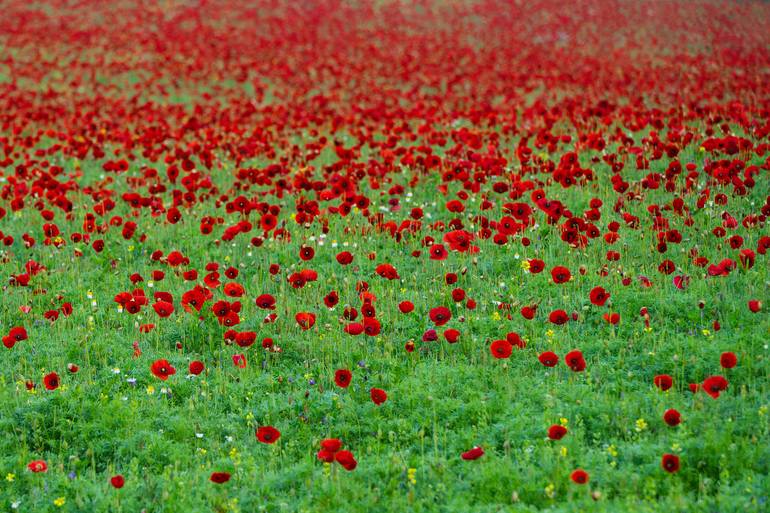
384, 256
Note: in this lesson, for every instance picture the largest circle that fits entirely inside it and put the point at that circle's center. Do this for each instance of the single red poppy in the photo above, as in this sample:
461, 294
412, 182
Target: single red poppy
548, 358
672, 417
579, 476
342, 378
473, 454
219, 477
663, 381
557, 432
51, 381
670, 463
378, 396
728, 360
38, 466
501, 349
162, 369
268, 434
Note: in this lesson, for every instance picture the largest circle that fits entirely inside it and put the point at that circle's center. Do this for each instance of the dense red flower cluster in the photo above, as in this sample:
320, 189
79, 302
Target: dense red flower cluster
440, 140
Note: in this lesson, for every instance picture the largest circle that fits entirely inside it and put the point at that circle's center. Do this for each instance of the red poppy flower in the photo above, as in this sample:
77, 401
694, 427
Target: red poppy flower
38, 466
305, 320
117, 481
451, 335
574, 360
670, 463
536, 265
548, 358
344, 258
331, 445
438, 252
162, 369
405, 306
306, 253
728, 360
557, 432
268, 434
342, 378
663, 381
51, 381
266, 302
672, 417
378, 396
558, 317
501, 349
579, 476
219, 477
473, 454
560, 274
163, 308
346, 459
440, 315
714, 385
16, 334
755, 306
598, 296
196, 367
387, 271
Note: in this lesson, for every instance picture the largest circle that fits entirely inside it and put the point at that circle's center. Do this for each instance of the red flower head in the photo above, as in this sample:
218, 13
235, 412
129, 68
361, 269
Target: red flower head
536, 265
342, 378
672, 417
346, 459
557, 432
728, 360
501, 349
306, 253
163, 308
268, 434
162, 369
15, 335
438, 252
558, 317
574, 360
548, 358
560, 274
51, 381
344, 258
405, 306
378, 396
579, 476
266, 302
440, 315
387, 271
473, 454
598, 296
196, 367
670, 463
663, 381
305, 320
329, 447
219, 477
117, 481
38, 466
714, 385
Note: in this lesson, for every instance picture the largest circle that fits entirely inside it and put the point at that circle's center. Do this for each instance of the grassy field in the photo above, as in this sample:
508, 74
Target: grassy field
211, 212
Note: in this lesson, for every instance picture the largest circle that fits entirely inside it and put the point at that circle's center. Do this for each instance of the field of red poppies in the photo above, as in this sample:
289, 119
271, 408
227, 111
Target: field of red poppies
330, 255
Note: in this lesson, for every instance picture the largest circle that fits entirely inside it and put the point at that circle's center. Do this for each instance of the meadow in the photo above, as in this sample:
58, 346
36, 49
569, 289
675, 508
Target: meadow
467, 256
